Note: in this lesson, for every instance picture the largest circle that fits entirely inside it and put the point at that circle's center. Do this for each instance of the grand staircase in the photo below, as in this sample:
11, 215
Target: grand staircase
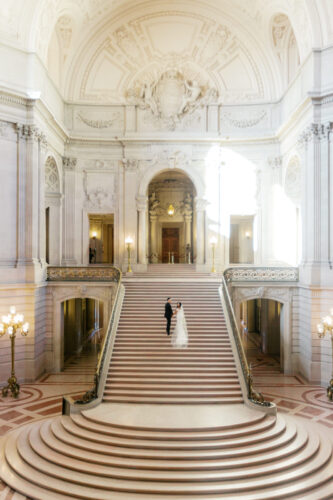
145, 368
172, 424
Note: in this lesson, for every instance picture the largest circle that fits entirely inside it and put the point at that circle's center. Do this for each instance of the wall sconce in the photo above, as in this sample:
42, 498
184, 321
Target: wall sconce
247, 235
129, 242
213, 242
12, 324
171, 210
94, 235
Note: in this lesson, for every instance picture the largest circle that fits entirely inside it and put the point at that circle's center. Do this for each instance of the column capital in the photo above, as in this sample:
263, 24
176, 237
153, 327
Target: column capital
32, 132
69, 163
130, 164
315, 132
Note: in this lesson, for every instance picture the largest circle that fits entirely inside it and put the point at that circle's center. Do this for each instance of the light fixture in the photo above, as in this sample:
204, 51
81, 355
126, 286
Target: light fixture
129, 242
247, 234
213, 242
326, 326
171, 210
94, 234
12, 324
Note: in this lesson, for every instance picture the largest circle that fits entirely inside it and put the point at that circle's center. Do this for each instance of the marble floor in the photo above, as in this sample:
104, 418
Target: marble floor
41, 399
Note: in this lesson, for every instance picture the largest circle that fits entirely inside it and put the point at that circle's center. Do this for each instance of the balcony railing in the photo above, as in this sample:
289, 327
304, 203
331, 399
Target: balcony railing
262, 273
83, 273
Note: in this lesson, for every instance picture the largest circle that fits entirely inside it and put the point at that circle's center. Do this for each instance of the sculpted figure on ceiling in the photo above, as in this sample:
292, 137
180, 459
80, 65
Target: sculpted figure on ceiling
171, 96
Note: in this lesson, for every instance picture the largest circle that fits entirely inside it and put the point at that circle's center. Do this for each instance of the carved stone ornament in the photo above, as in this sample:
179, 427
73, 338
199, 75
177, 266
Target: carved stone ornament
275, 274
69, 163
171, 96
99, 124
130, 164
243, 120
83, 273
52, 184
314, 132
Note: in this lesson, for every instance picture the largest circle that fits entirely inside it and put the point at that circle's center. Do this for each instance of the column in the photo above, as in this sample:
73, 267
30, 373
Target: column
153, 238
188, 230
31, 147
200, 205
141, 205
69, 166
130, 179
316, 267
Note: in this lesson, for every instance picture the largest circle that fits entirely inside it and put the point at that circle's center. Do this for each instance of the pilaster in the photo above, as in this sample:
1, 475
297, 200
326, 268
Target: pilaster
69, 168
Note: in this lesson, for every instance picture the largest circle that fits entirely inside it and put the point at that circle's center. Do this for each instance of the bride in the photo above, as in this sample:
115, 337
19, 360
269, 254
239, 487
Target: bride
180, 335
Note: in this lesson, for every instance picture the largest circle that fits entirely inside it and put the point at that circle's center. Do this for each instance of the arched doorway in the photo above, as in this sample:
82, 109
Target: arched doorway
261, 328
172, 218
82, 330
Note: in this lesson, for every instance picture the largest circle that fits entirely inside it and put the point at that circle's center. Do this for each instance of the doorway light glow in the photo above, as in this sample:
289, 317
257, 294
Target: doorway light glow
230, 187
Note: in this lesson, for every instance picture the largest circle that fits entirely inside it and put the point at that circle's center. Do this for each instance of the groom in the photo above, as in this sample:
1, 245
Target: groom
168, 314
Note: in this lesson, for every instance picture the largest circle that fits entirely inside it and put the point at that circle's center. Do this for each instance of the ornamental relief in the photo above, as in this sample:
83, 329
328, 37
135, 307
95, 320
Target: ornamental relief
99, 190
245, 118
283, 295
99, 119
169, 83
170, 97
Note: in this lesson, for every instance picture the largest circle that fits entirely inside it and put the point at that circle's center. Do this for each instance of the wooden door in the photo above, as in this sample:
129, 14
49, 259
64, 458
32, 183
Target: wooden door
170, 243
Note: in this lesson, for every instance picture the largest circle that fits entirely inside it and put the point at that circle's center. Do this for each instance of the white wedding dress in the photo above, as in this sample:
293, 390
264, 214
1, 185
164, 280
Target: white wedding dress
180, 336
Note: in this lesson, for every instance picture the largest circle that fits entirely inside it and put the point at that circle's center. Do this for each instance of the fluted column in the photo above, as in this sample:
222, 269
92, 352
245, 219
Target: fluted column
141, 205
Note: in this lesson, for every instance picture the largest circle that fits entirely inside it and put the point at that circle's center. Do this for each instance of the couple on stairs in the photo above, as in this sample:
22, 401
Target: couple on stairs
180, 335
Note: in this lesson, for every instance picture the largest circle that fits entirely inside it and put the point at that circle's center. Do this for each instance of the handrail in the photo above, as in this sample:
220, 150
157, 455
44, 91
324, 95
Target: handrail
253, 396
93, 393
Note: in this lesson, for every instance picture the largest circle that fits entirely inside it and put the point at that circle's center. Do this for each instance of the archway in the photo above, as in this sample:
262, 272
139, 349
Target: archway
261, 323
172, 218
82, 330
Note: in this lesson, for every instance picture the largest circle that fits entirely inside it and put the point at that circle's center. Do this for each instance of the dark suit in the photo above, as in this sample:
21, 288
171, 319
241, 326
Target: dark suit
168, 315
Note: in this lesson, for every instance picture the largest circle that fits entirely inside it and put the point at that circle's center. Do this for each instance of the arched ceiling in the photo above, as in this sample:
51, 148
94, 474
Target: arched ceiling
98, 50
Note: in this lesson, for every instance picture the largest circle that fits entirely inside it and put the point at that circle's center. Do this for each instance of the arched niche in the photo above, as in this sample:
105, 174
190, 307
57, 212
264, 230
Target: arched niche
60, 294
172, 218
280, 295
285, 47
53, 206
197, 202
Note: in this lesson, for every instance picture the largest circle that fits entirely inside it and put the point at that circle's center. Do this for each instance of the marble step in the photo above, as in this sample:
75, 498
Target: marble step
45, 471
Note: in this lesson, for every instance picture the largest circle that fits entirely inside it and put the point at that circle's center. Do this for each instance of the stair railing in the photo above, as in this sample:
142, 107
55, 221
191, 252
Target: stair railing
253, 396
96, 393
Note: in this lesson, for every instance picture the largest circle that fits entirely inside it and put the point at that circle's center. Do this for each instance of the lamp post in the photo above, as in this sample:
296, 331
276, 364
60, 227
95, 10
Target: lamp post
12, 323
213, 242
326, 326
129, 242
